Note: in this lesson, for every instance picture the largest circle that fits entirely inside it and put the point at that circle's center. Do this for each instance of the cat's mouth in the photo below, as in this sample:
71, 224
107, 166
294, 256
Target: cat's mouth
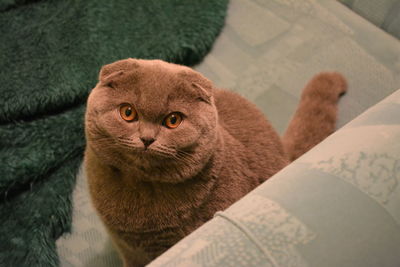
150, 153
146, 151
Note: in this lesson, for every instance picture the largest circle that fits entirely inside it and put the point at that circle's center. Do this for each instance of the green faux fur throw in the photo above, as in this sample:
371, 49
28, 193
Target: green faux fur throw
50, 54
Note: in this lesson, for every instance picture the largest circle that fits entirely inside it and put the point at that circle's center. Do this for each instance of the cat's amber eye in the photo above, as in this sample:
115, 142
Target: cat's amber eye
173, 120
127, 112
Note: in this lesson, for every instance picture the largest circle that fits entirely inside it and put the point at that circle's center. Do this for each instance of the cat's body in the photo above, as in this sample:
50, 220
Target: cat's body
150, 194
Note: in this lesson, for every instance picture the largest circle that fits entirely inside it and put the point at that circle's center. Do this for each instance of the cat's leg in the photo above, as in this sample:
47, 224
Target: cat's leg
134, 257
131, 256
315, 117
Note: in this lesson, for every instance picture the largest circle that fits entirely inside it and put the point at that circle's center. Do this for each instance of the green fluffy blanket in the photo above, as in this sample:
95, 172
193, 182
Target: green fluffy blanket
50, 55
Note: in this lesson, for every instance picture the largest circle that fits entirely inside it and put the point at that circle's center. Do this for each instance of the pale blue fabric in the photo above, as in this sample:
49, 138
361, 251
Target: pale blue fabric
337, 205
268, 51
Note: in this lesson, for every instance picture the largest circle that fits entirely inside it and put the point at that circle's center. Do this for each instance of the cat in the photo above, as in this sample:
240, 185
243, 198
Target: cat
166, 149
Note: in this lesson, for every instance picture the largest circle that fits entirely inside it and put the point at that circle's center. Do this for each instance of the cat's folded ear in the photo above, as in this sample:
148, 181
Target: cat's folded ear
200, 85
202, 94
117, 68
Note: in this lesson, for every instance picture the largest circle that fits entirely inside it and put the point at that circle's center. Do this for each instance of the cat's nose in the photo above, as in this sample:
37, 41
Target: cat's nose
147, 141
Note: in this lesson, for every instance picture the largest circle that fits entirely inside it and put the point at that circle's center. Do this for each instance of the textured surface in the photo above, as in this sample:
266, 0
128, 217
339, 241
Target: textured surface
304, 38
331, 207
52, 62
51, 52
267, 51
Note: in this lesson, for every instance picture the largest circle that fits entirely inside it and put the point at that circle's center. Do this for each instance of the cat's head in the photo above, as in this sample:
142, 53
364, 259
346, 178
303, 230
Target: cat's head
154, 119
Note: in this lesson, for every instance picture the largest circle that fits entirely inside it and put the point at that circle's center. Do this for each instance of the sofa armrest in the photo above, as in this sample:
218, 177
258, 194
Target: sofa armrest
337, 205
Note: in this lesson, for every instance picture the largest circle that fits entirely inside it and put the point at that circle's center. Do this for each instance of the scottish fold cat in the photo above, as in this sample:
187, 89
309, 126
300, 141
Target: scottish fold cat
166, 149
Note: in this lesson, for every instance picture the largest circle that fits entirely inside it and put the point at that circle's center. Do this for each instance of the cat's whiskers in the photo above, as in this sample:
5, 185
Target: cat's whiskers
187, 160
104, 141
159, 149
182, 156
127, 143
100, 138
163, 151
169, 152
183, 153
125, 140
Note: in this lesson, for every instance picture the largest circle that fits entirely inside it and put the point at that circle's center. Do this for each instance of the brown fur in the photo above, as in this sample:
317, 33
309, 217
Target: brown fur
150, 199
316, 114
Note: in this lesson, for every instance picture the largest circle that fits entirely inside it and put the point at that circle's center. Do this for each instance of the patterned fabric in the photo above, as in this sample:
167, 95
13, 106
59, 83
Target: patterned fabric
267, 51
338, 205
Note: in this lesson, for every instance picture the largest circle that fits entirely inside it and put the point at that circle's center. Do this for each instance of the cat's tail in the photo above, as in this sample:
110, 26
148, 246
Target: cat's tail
315, 117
